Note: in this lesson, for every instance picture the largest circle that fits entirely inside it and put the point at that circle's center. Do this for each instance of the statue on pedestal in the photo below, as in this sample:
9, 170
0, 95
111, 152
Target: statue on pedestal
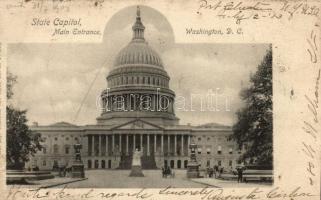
77, 168
136, 165
192, 165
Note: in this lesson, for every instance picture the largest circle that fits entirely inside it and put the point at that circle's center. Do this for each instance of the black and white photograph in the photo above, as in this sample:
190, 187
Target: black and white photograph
139, 110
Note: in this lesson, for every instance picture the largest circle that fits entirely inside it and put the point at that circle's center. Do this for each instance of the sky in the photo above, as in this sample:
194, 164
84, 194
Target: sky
53, 79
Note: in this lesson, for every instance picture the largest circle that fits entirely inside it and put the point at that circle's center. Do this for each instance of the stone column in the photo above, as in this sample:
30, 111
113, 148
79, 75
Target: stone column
128, 102
182, 145
107, 152
85, 146
168, 144
134, 143
120, 143
126, 144
99, 145
155, 143
175, 144
162, 144
113, 143
188, 143
92, 145
148, 152
141, 142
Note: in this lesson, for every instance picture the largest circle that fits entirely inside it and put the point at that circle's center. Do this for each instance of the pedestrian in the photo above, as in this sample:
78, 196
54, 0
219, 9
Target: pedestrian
215, 171
239, 174
163, 172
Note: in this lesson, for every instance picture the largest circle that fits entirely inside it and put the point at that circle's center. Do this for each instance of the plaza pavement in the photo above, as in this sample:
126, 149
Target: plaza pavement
152, 179
120, 179
229, 183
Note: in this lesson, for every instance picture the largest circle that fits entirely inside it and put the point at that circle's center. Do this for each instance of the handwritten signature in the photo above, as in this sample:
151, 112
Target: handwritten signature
206, 193
242, 10
309, 127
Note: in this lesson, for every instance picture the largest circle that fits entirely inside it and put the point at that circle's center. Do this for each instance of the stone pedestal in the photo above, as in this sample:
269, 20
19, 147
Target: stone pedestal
192, 165
77, 167
136, 171
136, 165
193, 170
78, 170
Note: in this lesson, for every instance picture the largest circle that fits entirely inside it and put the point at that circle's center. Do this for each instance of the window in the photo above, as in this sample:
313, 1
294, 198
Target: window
76, 139
199, 150
219, 150
89, 164
208, 163
219, 163
199, 139
208, 150
56, 138
185, 163
67, 138
208, 139
103, 164
44, 163
56, 150
179, 164
230, 163
67, 148
44, 150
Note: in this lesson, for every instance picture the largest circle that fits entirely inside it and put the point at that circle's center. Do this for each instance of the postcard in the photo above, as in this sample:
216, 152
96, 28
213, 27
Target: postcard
204, 99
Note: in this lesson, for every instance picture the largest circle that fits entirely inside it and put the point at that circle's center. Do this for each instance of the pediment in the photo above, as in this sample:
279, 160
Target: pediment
137, 125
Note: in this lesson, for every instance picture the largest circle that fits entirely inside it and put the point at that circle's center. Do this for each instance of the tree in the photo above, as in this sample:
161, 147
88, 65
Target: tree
11, 80
255, 121
21, 141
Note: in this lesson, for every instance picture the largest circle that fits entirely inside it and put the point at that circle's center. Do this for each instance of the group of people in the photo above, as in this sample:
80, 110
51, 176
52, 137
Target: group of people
167, 171
215, 171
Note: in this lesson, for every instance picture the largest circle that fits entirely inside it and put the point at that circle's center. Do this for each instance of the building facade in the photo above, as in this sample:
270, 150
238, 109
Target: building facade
137, 113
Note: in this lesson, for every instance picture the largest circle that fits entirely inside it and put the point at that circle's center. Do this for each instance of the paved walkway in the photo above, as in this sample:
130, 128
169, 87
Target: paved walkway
54, 182
229, 183
152, 179
120, 179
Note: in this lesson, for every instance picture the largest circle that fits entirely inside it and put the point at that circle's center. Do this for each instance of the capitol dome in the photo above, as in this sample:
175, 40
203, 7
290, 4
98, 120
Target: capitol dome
138, 85
138, 52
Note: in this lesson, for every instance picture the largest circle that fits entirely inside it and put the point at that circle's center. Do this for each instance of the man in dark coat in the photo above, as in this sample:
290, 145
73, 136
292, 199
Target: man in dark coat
239, 174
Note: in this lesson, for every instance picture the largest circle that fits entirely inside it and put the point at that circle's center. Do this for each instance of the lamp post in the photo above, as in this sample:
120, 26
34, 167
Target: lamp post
192, 165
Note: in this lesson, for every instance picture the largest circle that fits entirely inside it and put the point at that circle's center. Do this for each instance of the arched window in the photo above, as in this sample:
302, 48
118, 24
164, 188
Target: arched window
185, 163
56, 149
67, 149
89, 164
148, 80
103, 164
178, 164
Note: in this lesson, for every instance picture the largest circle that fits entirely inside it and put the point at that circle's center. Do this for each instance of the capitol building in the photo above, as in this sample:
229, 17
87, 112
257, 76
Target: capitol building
137, 113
